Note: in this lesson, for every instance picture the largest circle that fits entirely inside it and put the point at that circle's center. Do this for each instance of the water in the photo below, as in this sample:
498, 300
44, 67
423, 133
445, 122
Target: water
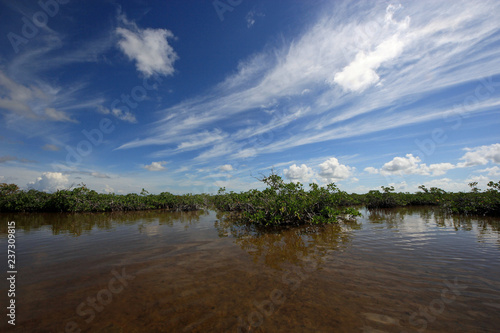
398, 270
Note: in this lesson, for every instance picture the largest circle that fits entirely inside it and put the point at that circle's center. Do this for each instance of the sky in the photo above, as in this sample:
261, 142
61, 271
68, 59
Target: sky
191, 96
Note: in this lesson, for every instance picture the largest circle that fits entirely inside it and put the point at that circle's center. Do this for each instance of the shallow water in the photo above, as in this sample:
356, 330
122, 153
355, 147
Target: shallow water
398, 270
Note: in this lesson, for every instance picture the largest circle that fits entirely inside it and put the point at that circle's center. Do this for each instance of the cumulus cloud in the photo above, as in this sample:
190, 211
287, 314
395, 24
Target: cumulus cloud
400, 165
156, 166
481, 155
149, 48
492, 172
410, 165
331, 170
50, 182
299, 173
226, 167
371, 170
439, 168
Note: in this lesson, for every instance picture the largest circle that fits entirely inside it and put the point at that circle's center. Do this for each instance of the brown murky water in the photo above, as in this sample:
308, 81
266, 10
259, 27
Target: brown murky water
400, 270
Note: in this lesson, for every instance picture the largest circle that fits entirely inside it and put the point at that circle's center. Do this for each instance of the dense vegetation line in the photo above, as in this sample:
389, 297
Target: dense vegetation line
280, 203
82, 199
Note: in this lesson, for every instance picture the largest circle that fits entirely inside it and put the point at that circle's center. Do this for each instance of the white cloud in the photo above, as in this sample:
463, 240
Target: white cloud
399, 187
50, 182
217, 150
120, 114
156, 166
57, 115
446, 184
408, 63
371, 170
202, 139
360, 73
331, 170
226, 167
245, 153
296, 173
149, 48
492, 172
125, 116
481, 155
481, 180
400, 165
440, 168
411, 165
29, 101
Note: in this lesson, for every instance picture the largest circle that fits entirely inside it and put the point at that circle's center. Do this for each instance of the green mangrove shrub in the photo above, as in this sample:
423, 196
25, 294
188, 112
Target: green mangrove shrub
475, 202
286, 203
82, 199
385, 199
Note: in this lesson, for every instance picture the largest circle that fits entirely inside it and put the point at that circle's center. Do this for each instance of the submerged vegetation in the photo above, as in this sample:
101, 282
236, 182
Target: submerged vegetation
280, 203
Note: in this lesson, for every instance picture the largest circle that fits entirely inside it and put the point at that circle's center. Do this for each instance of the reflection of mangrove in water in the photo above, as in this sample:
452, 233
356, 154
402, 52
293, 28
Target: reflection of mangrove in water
395, 218
277, 247
78, 223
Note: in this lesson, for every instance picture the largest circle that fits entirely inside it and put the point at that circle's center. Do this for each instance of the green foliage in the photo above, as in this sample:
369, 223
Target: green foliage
280, 203
385, 199
6, 189
82, 199
476, 202
286, 203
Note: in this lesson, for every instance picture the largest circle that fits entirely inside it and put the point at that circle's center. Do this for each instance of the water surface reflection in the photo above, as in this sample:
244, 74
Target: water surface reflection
391, 271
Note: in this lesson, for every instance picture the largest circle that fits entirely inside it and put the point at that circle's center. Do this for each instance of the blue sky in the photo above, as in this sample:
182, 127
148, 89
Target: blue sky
190, 96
